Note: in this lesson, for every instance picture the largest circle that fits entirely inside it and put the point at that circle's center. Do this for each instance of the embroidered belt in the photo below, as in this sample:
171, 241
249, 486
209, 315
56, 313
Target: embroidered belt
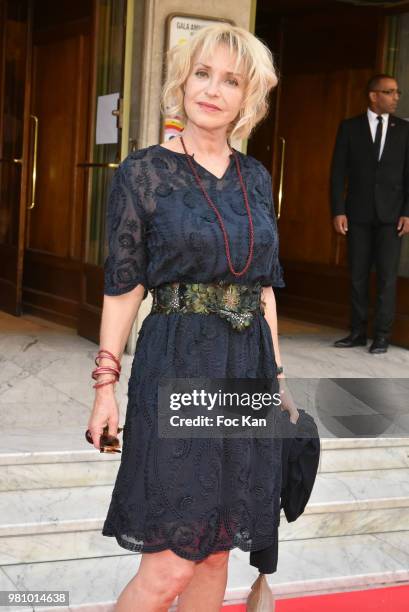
231, 301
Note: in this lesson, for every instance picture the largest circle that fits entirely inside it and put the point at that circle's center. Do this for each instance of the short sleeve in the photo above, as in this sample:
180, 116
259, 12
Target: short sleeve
275, 268
126, 263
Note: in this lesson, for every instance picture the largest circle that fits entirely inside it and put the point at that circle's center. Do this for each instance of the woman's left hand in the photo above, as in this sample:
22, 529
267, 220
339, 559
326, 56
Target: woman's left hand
287, 402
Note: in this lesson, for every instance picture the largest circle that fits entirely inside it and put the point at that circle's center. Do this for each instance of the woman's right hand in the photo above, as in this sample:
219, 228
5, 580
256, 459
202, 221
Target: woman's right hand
104, 412
118, 315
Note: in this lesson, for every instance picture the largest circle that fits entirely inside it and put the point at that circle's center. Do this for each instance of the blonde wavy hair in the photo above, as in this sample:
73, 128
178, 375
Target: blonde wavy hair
252, 56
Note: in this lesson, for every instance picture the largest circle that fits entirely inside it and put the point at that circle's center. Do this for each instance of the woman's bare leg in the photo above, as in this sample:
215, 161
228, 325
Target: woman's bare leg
205, 592
160, 578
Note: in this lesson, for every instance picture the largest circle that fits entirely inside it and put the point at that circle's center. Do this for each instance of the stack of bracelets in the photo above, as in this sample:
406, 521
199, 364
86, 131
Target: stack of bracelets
116, 371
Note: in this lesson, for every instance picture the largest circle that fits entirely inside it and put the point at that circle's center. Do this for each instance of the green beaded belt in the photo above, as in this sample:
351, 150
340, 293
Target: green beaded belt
233, 302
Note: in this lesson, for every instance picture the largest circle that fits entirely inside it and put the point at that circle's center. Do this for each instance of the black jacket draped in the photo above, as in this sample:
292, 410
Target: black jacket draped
300, 460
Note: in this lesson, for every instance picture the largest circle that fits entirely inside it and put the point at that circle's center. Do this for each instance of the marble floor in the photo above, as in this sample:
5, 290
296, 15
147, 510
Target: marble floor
46, 397
46, 390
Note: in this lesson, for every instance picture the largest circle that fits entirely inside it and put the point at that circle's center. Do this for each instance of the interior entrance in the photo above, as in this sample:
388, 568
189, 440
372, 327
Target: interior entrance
59, 113
57, 61
46, 68
325, 51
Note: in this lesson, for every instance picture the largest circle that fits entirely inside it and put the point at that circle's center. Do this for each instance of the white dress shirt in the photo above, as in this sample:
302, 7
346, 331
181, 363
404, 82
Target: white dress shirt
373, 124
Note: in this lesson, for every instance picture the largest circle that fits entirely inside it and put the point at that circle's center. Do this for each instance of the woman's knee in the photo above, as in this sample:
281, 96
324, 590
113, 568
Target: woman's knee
166, 572
216, 561
180, 573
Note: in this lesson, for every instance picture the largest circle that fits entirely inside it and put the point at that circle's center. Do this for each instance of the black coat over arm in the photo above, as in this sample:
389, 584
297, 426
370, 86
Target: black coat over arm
300, 459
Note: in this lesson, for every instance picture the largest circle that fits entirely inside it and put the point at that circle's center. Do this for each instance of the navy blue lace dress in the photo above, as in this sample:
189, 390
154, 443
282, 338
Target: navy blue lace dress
194, 496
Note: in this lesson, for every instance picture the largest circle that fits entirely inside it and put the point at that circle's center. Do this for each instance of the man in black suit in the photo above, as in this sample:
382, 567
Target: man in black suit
372, 154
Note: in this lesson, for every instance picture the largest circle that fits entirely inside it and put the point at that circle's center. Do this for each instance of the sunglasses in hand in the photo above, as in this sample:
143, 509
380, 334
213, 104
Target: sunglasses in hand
107, 443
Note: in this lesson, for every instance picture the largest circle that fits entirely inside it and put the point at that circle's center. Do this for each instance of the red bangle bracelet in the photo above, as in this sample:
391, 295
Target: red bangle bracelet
108, 355
106, 367
105, 370
102, 384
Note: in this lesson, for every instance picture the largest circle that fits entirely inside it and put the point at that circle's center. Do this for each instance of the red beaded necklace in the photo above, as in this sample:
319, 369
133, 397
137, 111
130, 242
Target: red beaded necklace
206, 195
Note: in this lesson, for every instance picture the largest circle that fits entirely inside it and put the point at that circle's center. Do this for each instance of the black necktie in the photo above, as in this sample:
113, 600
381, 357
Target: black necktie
378, 136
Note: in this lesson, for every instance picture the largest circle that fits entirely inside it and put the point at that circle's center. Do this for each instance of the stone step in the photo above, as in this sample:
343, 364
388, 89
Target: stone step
348, 503
41, 470
305, 567
354, 454
65, 523
72, 468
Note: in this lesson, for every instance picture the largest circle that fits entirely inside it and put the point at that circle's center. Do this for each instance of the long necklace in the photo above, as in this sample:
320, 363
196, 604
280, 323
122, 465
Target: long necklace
206, 195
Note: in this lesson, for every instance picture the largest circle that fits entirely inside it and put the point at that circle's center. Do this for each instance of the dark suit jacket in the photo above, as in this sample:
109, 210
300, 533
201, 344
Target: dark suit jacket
372, 187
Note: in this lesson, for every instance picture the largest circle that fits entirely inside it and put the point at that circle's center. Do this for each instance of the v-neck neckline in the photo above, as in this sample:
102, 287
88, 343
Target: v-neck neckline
217, 178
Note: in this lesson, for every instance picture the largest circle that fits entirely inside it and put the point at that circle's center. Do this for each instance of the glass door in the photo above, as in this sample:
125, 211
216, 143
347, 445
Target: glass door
15, 30
108, 144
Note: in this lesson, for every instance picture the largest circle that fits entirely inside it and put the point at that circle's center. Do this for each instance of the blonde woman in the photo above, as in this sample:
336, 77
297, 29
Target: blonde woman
192, 220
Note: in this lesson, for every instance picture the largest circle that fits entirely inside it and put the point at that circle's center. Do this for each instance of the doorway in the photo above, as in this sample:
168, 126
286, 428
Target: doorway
325, 52
56, 62
60, 117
